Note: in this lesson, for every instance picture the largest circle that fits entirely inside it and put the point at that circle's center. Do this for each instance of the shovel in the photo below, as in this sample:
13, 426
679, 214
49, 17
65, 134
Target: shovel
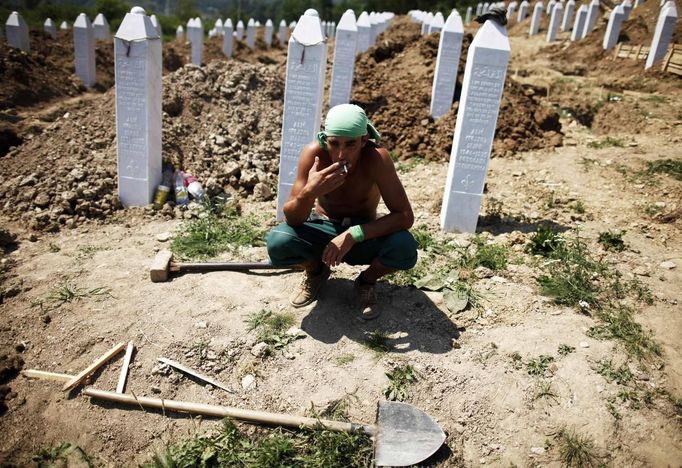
403, 435
163, 265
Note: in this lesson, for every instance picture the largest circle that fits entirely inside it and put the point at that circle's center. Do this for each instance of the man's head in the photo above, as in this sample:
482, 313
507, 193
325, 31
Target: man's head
346, 132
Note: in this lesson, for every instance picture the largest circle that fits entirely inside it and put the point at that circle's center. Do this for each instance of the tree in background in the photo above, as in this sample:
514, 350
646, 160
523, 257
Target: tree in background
113, 10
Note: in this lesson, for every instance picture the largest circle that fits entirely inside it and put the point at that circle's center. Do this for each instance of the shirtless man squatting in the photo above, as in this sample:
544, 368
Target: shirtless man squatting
343, 175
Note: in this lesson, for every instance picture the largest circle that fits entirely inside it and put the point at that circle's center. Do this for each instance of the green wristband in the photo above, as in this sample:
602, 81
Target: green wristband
357, 233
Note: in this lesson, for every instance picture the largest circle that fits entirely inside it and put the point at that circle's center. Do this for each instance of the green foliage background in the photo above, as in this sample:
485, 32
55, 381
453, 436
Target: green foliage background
172, 13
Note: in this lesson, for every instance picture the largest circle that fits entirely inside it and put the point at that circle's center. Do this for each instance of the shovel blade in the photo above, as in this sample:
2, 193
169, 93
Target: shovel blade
405, 435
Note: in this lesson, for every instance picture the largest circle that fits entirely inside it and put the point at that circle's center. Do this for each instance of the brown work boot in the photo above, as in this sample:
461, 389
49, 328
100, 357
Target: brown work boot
368, 298
310, 287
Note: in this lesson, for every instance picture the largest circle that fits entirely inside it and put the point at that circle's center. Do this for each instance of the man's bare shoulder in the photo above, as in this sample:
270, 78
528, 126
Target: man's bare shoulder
377, 157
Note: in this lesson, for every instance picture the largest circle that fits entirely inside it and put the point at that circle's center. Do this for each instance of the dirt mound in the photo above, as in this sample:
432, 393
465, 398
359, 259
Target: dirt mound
221, 122
10, 365
47, 71
393, 83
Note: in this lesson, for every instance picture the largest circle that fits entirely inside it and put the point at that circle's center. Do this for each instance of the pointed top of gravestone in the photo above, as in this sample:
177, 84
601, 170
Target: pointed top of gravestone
438, 21
583, 8
64, 25
227, 23
251, 22
268, 22
137, 26
363, 20
82, 21
283, 23
311, 12
347, 22
13, 19
48, 22
670, 4
491, 35
197, 22
454, 23
539, 6
100, 20
351, 10
308, 30
180, 29
218, 23
240, 24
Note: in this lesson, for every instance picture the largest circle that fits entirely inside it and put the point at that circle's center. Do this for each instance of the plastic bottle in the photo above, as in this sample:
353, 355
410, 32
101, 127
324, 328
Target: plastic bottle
193, 186
181, 198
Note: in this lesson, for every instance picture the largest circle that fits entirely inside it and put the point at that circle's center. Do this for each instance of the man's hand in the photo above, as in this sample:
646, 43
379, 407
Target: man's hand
337, 248
322, 182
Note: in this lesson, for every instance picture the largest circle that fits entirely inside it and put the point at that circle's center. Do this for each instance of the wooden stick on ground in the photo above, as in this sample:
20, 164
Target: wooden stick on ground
38, 374
124, 370
77, 379
194, 373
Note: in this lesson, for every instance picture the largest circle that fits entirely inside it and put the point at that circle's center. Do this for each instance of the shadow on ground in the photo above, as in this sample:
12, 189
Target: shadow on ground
407, 314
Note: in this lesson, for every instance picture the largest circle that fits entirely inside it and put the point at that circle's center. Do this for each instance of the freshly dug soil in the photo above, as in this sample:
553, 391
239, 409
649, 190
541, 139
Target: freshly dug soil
221, 123
47, 71
393, 83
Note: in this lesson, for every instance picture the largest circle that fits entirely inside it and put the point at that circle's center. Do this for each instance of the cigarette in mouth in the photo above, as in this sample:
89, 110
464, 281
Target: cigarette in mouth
344, 167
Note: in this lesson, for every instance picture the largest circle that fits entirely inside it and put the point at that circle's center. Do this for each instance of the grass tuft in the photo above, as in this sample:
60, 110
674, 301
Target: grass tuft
219, 229
378, 341
619, 323
271, 328
576, 450
61, 455
672, 167
607, 142
612, 240
539, 366
545, 241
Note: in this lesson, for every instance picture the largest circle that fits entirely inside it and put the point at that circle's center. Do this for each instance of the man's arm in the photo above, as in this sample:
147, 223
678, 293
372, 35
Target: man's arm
311, 182
394, 196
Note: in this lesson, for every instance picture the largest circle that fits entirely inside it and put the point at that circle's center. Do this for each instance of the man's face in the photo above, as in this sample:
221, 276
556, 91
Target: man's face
346, 149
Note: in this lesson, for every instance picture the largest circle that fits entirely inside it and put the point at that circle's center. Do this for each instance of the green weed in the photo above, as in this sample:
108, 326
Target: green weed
607, 142
67, 293
86, 252
612, 240
59, 455
517, 360
491, 256
565, 350
316, 447
539, 366
344, 359
618, 323
221, 228
271, 328
576, 450
399, 379
403, 167
378, 341
672, 167
543, 389
613, 409
545, 241
427, 242
578, 206
621, 375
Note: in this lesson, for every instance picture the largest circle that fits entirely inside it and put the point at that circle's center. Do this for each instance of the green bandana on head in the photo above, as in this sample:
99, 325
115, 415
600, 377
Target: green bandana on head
347, 120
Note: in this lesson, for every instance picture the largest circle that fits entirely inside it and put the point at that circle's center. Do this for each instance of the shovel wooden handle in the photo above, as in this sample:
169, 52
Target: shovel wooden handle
223, 266
275, 419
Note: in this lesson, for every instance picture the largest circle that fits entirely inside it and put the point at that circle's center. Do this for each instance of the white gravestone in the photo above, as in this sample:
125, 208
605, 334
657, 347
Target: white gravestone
50, 28
482, 86
638, 3
344, 60
447, 63
479, 9
568, 16
627, 8
197, 41
467, 17
228, 38
427, 23
374, 28
557, 13
579, 23
180, 33
101, 28
251, 33
218, 25
437, 23
84, 50
535, 20
306, 63
239, 34
523, 11
665, 27
592, 15
616, 19
364, 27
323, 24
267, 33
137, 52
157, 25
64, 26
282, 33
550, 6
511, 10
16, 32
486, 7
